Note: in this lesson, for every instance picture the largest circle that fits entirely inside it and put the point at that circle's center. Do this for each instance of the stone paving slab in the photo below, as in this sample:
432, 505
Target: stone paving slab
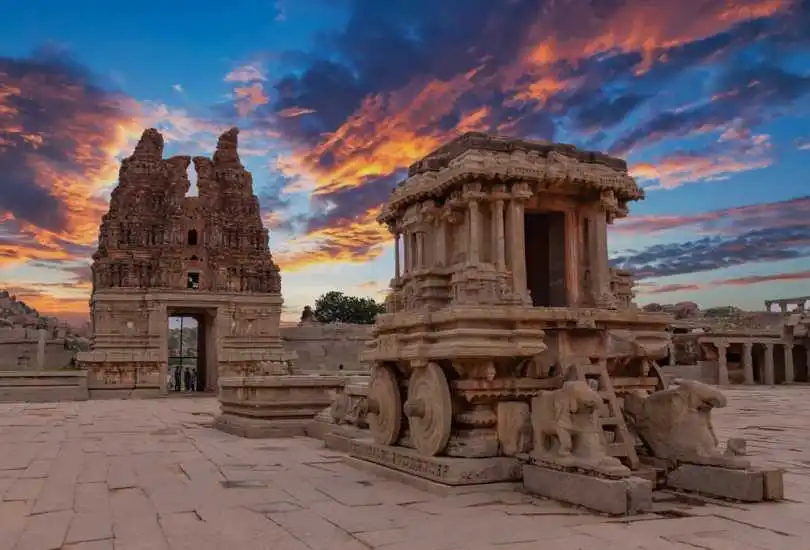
151, 474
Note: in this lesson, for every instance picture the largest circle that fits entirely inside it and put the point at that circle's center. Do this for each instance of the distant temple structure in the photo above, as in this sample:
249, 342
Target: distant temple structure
162, 253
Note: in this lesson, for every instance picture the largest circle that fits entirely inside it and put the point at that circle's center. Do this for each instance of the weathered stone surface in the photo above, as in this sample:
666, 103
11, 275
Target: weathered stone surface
39, 387
161, 253
627, 496
752, 485
677, 426
273, 406
160, 459
514, 427
450, 471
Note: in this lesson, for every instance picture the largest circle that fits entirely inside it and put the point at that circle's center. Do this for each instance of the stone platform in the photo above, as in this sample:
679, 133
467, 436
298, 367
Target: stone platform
273, 406
749, 485
439, 469
98, 475
620, 497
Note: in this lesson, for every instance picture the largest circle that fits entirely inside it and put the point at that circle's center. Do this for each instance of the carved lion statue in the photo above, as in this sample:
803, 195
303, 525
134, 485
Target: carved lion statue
676, 425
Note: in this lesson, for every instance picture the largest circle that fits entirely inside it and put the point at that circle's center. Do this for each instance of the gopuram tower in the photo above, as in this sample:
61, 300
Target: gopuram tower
162, 253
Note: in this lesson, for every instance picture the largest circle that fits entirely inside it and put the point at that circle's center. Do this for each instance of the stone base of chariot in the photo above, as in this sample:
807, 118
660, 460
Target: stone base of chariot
257, 428
335, 436
438, 469
746, 485
619, 496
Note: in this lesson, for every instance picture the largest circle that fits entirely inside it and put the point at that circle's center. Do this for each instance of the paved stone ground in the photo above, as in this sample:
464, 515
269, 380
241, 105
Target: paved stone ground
150, 475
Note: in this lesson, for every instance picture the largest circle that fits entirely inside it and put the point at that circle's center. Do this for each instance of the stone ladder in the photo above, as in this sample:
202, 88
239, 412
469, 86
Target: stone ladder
621, 444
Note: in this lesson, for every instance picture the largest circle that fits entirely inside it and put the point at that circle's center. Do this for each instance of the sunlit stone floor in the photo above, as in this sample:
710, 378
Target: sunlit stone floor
151, 475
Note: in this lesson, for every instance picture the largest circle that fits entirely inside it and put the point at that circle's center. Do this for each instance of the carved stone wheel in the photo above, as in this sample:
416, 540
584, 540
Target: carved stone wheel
384, 405
429, 409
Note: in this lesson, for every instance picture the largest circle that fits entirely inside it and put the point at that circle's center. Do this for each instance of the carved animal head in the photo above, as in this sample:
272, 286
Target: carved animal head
700, 396
580, 396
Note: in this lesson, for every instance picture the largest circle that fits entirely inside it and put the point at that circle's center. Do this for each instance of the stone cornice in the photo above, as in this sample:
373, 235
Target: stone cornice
479, 165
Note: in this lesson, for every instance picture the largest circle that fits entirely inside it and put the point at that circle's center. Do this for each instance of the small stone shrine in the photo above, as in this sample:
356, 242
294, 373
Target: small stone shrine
509, 345
162, 253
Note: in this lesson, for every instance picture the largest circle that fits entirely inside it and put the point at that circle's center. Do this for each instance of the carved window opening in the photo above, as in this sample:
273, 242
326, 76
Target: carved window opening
193, 280
545, 258
192, 237
194, 258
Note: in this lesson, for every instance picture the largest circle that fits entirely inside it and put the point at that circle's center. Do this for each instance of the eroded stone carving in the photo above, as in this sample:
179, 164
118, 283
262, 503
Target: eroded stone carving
567, 432
676, 424
162, 251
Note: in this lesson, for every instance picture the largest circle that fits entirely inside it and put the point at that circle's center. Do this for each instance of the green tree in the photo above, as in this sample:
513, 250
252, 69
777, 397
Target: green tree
335, 306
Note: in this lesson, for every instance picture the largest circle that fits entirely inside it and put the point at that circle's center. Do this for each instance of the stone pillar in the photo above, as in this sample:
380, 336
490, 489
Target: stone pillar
41, 336
783, 307
599, 258
441, 243
420, 250
397, 267
474, 251
517, 238
722, 363
748, 363
769, 370
790, 375
499, 237
572, 246
406, 252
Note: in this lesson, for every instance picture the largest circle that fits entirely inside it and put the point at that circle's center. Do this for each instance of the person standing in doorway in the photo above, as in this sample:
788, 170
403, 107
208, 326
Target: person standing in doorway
177, 379
187, 375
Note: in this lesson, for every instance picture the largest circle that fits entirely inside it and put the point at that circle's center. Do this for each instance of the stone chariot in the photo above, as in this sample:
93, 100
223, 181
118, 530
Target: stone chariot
502, 297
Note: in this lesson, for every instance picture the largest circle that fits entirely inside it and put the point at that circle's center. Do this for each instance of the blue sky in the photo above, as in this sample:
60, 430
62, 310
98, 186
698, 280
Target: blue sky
336, 97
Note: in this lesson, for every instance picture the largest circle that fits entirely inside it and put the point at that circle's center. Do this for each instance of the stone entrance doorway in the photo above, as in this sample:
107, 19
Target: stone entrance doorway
191, 350
545, 258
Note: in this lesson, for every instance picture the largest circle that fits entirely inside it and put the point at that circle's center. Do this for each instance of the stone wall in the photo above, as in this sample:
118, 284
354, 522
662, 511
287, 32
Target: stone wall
18, 349
324, 347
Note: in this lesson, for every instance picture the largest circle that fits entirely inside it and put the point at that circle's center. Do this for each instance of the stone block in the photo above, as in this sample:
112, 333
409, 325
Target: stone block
620, 497
751, 485
273, 406
445, 470
514, 418
257, 428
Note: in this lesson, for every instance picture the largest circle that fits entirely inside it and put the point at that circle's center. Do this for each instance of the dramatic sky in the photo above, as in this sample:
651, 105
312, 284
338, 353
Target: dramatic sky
709, 101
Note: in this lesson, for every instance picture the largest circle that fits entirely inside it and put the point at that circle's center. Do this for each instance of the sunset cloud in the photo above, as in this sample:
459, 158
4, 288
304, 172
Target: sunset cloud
390, 100
61, 136
246, 73
651, 288
713, 163
345, 118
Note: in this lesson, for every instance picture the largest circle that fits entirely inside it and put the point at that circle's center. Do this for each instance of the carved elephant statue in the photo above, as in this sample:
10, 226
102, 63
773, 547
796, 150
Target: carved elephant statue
553, 415
676, 423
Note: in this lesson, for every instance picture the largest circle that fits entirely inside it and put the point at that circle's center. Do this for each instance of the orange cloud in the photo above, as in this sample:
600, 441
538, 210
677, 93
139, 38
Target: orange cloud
391, 130
249, 97
359, 240
292, 112
246, 73
71, 156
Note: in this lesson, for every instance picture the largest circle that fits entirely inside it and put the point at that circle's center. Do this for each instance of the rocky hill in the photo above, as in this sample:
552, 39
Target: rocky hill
15, 312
